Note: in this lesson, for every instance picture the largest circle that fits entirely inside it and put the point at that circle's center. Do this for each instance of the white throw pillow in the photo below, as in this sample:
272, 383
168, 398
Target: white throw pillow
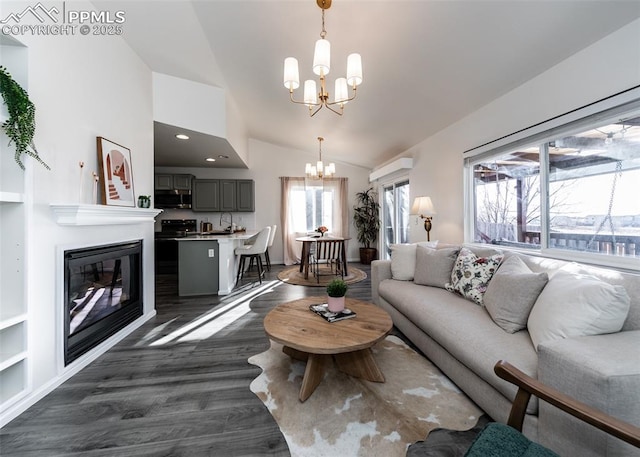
573, 304
403, 261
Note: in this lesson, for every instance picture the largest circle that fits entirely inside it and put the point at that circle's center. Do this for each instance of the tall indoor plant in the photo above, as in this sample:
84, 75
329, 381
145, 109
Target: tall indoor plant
21, 124
366, 218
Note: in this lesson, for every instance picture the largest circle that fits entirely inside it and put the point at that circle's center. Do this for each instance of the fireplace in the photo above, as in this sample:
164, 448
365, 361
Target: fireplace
102, 294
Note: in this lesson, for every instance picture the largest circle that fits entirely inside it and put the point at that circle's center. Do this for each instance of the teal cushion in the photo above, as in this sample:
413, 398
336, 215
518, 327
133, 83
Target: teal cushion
499, 440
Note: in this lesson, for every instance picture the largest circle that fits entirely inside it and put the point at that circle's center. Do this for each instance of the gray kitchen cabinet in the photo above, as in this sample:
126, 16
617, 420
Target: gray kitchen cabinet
245, 195
206, 195
232, 195
166, 181
198, 270
228, 195
182, 182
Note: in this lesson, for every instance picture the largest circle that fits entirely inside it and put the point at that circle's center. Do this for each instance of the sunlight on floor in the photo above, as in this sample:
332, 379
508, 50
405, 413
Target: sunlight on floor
211, 323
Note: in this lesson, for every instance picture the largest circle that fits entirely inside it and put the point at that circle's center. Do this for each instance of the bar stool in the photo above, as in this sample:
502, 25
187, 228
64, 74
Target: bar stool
253, 251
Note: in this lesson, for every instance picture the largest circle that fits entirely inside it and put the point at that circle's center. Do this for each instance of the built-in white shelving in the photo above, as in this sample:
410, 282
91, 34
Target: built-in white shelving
14, 358
11, 197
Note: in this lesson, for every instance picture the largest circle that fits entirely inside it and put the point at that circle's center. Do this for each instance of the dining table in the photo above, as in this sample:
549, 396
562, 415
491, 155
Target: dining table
307, 243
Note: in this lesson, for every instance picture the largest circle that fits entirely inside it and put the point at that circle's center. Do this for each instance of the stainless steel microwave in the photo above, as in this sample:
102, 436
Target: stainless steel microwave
175, 198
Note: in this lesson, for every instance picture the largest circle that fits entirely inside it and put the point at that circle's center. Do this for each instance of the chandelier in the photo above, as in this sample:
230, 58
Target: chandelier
321, 66
319, 171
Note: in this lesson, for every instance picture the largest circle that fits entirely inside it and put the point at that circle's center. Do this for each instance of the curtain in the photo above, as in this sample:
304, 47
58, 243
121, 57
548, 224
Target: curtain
292, 248
299, 215
340, 216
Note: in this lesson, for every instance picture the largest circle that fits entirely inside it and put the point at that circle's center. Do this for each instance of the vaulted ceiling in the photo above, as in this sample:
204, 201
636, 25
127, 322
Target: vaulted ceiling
426, 64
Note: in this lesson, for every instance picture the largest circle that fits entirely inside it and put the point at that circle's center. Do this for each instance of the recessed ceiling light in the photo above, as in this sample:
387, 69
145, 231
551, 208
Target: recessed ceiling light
210, 159
223, 157
182, 136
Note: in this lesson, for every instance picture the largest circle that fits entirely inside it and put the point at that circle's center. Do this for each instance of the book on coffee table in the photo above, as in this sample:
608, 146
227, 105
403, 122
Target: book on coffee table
322, 310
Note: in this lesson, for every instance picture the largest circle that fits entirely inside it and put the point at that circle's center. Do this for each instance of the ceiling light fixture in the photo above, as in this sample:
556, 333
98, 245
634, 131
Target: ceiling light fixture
321, 66
182, 136
319, 171
210, 159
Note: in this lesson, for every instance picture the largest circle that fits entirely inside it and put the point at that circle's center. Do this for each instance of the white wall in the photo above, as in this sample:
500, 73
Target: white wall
607, 67
189, 104
83, 87
267, 163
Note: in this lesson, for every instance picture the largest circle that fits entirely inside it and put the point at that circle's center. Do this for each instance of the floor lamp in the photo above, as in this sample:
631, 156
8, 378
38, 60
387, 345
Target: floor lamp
423, 207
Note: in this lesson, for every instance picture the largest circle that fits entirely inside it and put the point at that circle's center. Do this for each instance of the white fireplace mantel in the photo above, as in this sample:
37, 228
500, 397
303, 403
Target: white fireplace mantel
75, 214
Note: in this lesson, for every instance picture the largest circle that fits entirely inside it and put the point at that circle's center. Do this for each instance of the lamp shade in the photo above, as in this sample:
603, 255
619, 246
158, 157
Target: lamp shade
422, 206
291, 75
354, 69
322, 57
341, 91
310, 94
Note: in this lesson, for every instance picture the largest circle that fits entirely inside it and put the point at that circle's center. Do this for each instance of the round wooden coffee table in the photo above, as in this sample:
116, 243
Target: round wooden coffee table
307, 336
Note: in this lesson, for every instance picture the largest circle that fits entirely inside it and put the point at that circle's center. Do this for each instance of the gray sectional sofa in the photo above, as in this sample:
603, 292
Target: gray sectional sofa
465, 341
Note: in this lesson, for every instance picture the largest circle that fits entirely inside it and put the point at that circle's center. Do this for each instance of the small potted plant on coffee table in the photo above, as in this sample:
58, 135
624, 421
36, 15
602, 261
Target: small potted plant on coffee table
336, 290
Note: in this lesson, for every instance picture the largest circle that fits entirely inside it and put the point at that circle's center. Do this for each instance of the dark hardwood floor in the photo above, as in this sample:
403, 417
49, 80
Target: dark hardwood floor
177, 386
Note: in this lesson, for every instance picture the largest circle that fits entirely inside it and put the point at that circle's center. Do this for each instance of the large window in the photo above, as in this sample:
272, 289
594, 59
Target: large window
395, 211
577, 192
317, 202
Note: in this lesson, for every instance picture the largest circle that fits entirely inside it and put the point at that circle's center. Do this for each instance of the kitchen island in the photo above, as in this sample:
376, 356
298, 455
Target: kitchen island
207, 263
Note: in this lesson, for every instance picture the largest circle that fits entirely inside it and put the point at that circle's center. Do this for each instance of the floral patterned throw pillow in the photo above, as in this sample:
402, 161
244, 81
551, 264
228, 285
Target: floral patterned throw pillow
471, 274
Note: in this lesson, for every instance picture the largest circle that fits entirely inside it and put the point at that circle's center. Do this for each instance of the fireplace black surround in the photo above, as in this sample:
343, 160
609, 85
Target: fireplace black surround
102, 294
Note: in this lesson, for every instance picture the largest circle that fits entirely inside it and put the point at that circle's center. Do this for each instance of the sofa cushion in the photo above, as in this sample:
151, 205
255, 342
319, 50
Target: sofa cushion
600, 371
465, 330
471, 274
403, 259
574, 304
433, 266
512, 292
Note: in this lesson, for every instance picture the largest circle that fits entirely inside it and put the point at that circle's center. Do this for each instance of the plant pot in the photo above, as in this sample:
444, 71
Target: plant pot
367, 255
335, 304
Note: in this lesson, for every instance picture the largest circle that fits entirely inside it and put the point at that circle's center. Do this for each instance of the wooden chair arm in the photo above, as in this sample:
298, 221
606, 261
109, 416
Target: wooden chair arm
528, 386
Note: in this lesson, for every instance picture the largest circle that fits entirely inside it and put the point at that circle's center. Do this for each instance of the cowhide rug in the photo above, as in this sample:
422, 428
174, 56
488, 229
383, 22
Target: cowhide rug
346, 416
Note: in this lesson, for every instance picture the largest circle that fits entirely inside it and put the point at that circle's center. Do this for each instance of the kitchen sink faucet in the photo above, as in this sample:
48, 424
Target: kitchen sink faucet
230, 222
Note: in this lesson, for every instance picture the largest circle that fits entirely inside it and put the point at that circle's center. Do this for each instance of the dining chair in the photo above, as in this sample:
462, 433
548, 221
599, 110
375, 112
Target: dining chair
253, 251
329, 253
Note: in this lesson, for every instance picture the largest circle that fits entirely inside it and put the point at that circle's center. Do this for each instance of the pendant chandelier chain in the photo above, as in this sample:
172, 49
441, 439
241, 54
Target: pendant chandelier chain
323, 33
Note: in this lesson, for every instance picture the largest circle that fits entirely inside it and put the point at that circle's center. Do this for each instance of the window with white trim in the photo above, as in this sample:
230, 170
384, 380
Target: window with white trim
573, 192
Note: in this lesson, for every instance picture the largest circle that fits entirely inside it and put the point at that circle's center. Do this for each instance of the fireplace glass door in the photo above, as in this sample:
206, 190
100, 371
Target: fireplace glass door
103, 294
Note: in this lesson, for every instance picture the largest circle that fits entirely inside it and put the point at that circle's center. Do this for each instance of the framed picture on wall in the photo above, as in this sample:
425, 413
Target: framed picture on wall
116, 175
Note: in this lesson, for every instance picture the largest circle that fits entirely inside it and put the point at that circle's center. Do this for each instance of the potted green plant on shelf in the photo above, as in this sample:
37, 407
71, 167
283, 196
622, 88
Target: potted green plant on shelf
336, 291
144, 201
366, 218
20, 127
